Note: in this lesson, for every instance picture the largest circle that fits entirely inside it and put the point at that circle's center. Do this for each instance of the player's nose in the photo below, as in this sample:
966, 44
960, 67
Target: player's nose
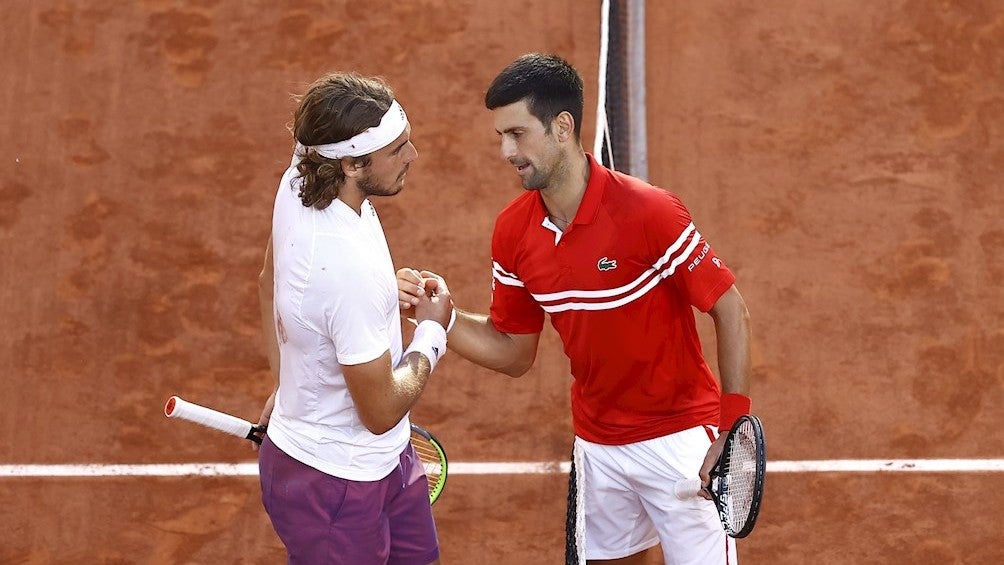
508, 149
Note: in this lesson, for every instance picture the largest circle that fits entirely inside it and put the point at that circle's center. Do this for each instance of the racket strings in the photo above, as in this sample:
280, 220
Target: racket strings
739, 476
430, 457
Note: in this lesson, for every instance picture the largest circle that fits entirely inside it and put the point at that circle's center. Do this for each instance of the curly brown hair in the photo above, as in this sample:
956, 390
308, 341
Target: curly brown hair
335, 107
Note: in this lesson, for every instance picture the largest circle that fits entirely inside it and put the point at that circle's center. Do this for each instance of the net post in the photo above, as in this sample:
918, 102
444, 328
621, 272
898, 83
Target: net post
637, 134
600, 141
621, 132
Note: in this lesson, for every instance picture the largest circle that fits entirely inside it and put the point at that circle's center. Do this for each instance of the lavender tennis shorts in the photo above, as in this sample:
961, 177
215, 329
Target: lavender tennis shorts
327, 520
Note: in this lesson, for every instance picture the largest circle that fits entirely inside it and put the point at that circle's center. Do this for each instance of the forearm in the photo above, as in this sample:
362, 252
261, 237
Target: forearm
407, 383
382, 407
476, 339
732, 330
734, 361
382, 394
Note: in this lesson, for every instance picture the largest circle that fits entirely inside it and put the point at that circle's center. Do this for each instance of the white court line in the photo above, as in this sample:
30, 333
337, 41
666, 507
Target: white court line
503, 468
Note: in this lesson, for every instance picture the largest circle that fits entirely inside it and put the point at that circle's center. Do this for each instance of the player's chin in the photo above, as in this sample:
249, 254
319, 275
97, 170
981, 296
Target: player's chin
391, 190
533, 181
533, 184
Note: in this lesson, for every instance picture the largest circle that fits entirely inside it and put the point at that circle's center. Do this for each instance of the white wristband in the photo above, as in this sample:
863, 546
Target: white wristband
429, 340
453, 320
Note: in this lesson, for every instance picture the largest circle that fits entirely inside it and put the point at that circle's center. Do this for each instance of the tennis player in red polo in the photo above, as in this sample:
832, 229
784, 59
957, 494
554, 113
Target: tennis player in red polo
619, 266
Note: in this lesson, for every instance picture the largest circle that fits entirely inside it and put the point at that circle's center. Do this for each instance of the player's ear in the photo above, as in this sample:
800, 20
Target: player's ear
564, 126
351, 167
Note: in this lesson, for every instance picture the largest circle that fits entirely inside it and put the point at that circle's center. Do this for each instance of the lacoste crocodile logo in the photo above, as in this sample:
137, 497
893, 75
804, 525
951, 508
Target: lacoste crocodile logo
605, 264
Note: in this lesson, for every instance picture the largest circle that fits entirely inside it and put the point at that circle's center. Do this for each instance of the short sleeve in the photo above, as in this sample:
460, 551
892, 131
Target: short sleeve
513, 309
355, 313
694, 267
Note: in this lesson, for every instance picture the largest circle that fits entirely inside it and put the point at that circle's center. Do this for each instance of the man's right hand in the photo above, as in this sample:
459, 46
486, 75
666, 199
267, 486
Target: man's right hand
435, 302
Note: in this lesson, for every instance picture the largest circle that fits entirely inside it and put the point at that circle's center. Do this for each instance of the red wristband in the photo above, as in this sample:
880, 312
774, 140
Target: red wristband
733, 406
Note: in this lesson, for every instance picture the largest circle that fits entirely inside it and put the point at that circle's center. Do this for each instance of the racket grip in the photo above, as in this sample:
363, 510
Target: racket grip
687, 489
179, 408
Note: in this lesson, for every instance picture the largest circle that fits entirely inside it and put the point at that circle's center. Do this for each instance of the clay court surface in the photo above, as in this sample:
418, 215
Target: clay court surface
845, 158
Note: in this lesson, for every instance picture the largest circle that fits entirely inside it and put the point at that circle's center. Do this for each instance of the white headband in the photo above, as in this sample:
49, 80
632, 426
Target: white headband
391, 125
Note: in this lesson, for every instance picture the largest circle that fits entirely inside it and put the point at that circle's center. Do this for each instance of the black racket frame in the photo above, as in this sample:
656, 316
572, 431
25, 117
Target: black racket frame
717, 488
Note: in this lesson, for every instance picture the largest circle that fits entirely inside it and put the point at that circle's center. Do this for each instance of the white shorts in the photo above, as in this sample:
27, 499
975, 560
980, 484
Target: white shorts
626, 498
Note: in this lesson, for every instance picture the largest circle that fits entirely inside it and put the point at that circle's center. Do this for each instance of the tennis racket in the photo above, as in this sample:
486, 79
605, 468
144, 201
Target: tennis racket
433, 457
428, 448
737, 478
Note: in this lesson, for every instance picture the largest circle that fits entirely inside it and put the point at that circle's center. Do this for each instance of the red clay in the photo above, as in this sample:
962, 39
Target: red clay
844, 158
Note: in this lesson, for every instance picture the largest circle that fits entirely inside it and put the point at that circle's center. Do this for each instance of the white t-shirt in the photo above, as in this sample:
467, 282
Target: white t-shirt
335, 304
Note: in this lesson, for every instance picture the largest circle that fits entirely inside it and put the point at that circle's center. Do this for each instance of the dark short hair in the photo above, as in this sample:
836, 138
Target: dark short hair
548, 83
335, 107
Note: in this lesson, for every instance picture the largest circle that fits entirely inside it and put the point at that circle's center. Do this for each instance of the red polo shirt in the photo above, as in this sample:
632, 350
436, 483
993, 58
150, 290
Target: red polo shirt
619, 284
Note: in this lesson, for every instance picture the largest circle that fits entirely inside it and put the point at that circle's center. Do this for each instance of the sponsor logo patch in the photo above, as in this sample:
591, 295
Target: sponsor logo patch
697, 261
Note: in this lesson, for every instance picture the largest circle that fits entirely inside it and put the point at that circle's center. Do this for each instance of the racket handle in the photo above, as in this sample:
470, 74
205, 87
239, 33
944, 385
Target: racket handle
687, 489
178, 408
